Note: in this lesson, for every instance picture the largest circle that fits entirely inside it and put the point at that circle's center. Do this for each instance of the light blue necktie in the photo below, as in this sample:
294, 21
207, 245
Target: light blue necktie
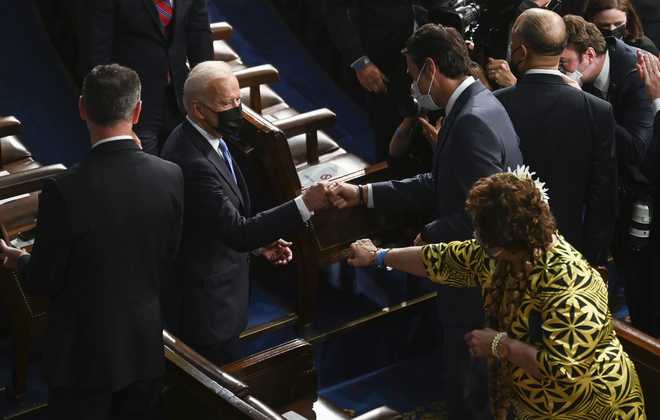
224, 151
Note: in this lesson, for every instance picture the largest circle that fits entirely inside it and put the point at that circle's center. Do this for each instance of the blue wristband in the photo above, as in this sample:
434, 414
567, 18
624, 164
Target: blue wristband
380, 257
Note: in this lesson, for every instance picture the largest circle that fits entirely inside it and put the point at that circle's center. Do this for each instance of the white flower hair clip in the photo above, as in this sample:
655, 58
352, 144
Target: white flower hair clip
523, 172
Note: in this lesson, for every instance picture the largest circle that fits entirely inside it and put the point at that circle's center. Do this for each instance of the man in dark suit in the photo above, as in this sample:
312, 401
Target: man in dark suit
219, 230
477, 139
155, 38
370, 35
566, 135
643, 291
107, 235
609, 72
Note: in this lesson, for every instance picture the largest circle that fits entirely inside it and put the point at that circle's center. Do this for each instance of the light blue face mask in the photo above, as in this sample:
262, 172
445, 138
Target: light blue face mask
425, 101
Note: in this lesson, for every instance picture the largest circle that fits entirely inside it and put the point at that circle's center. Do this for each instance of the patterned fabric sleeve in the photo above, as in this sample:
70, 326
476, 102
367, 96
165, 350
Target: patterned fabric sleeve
457, 264
574, 318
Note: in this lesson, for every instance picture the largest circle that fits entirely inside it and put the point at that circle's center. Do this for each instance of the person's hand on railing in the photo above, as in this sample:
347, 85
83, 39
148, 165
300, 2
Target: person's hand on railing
10, 255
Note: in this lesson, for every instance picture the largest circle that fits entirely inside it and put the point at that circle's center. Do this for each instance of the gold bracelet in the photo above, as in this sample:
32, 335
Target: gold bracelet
495, 344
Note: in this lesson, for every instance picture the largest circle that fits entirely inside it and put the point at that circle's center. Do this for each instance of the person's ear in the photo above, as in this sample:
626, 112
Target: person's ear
430, 67
81, 108
137, 112
590, 54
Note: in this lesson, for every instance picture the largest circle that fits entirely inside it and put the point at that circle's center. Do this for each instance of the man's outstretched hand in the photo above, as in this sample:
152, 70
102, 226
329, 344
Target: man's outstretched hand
278, 253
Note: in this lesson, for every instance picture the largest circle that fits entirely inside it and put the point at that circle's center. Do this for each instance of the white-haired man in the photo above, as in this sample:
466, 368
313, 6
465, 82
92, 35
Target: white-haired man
208, 309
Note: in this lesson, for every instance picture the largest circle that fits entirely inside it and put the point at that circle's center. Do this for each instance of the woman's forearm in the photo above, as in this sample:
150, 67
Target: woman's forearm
401, 138
408, 260
522, 355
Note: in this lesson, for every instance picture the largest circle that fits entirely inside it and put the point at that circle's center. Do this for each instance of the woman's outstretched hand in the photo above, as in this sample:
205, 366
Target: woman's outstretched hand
362, 253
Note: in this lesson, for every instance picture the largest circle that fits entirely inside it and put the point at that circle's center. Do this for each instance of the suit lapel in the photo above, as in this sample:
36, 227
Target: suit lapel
180, 7
203, 145
151, 10
443, 136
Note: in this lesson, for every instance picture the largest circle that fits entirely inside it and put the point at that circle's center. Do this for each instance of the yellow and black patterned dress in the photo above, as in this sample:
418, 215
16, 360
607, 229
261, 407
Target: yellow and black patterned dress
564, 314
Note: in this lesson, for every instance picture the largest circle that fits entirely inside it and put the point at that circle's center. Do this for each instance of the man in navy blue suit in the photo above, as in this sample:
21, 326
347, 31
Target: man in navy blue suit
477, 139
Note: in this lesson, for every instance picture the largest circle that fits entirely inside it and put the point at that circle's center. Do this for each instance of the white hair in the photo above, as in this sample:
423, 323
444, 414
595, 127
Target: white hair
196, 85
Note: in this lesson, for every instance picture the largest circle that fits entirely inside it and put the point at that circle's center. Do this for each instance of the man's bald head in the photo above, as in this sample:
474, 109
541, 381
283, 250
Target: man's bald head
209, 82
542, 31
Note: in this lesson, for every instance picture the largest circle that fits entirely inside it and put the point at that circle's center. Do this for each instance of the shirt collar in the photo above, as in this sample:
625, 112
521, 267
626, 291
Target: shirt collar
109, 139
553, 72
214, 142
457, 92
657, 105
602, 82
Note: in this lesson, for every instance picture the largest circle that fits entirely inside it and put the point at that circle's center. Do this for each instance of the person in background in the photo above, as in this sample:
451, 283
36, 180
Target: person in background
108, 231
370, 35
549, 338
643, 291
649, 12
156, 38
619, 19
566, 135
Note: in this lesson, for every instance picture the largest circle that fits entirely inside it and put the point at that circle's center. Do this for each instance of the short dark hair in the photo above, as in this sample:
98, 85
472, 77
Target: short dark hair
542, 32
583, 34
110, 93
445, 46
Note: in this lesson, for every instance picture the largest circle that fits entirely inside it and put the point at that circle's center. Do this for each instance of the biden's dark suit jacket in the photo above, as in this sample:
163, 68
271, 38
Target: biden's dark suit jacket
476, 140
107, 235
218, 233
567, 138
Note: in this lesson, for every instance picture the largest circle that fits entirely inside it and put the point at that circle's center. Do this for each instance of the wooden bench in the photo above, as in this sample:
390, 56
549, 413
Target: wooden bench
644, 351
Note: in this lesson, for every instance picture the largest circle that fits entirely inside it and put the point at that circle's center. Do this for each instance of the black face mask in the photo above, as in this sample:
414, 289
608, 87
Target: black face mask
230, 122
619, 32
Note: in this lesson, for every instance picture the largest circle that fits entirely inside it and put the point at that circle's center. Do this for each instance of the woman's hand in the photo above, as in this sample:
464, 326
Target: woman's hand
429, 130
479, 341
362, 253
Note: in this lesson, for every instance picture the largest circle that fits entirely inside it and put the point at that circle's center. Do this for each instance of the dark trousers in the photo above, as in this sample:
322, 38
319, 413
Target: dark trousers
137, 401
158, 121
642, 276
465, 379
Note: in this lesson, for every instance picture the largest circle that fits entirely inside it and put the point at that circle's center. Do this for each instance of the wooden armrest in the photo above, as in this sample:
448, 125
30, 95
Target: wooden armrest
221, 31
308, 123
10, 126
27, 181
254, 77
237, 387
638, 338
257, 75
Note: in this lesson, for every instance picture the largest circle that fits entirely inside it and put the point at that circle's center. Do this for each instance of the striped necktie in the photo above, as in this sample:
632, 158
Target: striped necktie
165, 12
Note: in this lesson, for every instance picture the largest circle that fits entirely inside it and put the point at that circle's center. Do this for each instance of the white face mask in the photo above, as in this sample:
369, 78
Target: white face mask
424, 100
575, 75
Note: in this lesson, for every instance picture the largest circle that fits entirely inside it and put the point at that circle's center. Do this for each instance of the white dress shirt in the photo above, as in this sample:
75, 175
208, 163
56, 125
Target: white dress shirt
657, 105
553, 72
602, 82
109, 139
305, 213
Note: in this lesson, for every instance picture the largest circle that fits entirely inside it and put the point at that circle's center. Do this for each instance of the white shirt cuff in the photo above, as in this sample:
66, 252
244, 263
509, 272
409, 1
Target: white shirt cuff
305, 213
370, 196
657, 105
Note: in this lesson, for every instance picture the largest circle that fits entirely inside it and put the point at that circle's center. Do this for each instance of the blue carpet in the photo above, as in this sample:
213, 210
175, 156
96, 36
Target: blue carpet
36, 88
261, 37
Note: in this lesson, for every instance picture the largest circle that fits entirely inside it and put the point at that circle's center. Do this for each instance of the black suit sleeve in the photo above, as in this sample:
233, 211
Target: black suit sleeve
43, 273
652, 164
207, 200
634, 128
601, 198
477, 154
343, 29
198, 34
